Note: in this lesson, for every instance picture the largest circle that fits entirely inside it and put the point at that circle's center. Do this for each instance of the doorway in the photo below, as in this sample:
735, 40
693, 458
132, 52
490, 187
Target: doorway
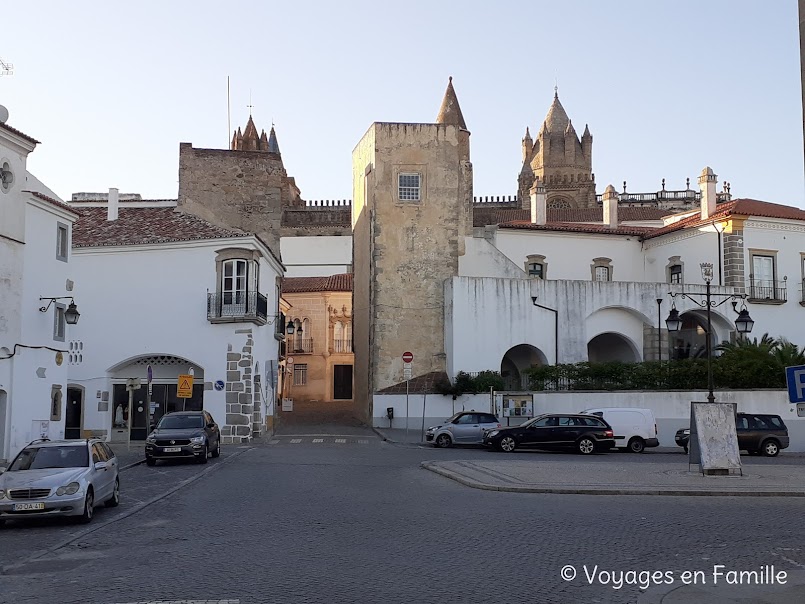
73, 416
342, 382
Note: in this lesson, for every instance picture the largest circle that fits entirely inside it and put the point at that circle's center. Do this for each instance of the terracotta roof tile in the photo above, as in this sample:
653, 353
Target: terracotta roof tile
421, 384
486, 216
19, 133
334, 283
138, 226
55, 202
579, 227
736, 207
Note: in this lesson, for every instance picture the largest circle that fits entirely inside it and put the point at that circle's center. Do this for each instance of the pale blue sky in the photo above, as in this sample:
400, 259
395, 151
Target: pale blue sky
667, 87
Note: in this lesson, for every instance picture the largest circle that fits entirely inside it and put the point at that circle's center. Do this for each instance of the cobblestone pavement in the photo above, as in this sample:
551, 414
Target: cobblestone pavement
351, 522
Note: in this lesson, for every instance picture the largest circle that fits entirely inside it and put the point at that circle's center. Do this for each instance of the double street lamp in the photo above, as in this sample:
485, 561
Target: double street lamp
743, 324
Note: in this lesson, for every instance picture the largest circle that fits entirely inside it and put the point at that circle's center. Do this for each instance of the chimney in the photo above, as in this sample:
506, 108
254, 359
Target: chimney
539, 203
610, 199
111, 205
707, 183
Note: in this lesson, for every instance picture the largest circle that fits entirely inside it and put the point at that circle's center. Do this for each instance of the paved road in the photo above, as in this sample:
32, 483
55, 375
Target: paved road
361, 522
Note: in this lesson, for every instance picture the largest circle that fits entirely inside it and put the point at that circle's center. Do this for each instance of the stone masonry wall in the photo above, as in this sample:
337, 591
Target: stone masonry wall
734, 260
240, 399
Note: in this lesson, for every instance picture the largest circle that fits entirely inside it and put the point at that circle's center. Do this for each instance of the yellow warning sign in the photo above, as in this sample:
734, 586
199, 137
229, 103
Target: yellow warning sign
185, 386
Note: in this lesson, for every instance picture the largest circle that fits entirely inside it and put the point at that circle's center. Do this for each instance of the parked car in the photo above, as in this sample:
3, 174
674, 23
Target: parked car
584, 433
464, 428
635, 429
59, 478
184, 434
758, 433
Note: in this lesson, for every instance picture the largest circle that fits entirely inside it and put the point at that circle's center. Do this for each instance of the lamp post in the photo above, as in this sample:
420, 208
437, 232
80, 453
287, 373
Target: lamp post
743, 324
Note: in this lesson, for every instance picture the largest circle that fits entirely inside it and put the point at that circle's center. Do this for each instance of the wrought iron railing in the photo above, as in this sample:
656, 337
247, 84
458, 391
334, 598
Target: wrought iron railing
761, 290
802, 292
342, 345
237, 305
301, 346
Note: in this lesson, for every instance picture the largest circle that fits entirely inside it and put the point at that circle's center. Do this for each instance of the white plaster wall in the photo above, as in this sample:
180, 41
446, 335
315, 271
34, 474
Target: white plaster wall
12, 201
316, 256
436, 408
570, 255
482, 259
488, 316
140, 301
692, 246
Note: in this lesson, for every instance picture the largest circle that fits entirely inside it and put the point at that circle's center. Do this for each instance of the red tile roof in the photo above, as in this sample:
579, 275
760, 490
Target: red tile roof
18, 133
485, 216
334, 283
55, 202
578, 227
139, 226
736, 207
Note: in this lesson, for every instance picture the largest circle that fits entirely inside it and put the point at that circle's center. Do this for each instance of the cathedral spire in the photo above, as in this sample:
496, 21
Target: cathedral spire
556, 119
273, 145
450, 111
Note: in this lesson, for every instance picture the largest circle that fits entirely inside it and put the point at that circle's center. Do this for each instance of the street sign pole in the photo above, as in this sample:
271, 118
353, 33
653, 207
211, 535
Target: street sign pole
407, 417
407, 358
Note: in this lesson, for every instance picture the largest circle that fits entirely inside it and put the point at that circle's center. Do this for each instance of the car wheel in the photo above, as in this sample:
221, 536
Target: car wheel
637, 445
202, 458
770, 448
89, 508
585, 446
217, 452
507, 444
114, 500
443, 441
150, 461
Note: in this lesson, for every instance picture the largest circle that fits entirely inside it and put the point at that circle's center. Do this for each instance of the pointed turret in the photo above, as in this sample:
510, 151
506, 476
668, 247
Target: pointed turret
528, 145
273, 145
450, 111
556, 119
234, 146
263, 141
251, 140
239, 136
587, 132
570, 130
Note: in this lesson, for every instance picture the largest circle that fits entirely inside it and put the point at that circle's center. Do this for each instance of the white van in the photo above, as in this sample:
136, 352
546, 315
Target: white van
635, 429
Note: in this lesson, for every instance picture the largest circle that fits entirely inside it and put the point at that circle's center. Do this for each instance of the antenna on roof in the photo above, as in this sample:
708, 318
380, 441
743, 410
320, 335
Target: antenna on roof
6, 68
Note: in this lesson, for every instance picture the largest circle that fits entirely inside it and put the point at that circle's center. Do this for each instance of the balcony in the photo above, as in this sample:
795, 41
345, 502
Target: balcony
300, 346
802, 293
766, 291
237, 307
342, 346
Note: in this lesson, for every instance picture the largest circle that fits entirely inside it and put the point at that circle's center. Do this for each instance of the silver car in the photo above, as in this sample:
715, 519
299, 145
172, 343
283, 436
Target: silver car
59, 478
464, 428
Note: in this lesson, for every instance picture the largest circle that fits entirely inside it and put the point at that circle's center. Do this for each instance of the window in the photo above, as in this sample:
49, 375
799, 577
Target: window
535, 269
602, 273
233, 286
62, 242
601, 269
6, 177
536, 266
470, 418
300, 374
59, 322
763, 270
408, 186
675, 273
763, 284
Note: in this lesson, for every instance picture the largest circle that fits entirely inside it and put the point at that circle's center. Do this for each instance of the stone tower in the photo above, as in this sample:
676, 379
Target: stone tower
560, 160
411, 210
245, 187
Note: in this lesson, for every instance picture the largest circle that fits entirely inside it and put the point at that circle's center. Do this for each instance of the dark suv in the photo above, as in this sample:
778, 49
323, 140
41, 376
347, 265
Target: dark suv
584, 433
758, 433
188, 434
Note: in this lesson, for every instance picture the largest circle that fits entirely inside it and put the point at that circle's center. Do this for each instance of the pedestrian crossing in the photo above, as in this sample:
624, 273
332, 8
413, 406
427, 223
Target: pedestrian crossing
323, 440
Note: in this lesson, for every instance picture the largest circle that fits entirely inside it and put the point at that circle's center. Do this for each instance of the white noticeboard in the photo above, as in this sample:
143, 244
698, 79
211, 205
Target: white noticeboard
407, 371
287, 404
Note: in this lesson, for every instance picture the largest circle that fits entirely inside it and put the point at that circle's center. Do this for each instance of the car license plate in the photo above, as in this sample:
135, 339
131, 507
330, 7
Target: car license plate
24, 507
172, 449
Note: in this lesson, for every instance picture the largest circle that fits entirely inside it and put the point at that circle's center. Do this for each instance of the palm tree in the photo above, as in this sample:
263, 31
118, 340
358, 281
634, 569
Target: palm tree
788, 354
766, 345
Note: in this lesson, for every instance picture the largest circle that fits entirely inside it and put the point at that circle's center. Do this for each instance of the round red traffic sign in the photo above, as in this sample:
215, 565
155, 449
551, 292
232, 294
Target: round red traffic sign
408, 357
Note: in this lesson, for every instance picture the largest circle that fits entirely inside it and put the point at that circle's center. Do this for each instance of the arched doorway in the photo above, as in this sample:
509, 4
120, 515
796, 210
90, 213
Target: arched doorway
516, 360
608, 347
690, 342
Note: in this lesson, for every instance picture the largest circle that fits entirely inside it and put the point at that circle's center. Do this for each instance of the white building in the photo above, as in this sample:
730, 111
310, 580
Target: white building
35, 294
170, 291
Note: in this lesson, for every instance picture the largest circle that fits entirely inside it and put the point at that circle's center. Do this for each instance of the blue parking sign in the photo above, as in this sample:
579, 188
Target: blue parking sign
795, 378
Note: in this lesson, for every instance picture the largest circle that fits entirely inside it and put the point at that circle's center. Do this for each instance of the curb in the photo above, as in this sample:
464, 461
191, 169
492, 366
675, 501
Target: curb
429, 465
124, 515
132, 465
398, 443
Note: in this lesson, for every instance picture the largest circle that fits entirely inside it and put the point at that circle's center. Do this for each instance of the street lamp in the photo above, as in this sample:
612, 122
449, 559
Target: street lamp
743, 324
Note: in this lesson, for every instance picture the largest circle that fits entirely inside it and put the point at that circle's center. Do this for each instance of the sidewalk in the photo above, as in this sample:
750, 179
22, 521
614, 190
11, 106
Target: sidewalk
411, 437
129, 454
519, 474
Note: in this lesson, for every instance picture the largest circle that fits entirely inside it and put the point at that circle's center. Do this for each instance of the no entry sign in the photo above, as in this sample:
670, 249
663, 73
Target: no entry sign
408, 357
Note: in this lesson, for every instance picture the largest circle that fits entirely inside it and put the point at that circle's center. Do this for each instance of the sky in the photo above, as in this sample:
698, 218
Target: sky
666, 87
